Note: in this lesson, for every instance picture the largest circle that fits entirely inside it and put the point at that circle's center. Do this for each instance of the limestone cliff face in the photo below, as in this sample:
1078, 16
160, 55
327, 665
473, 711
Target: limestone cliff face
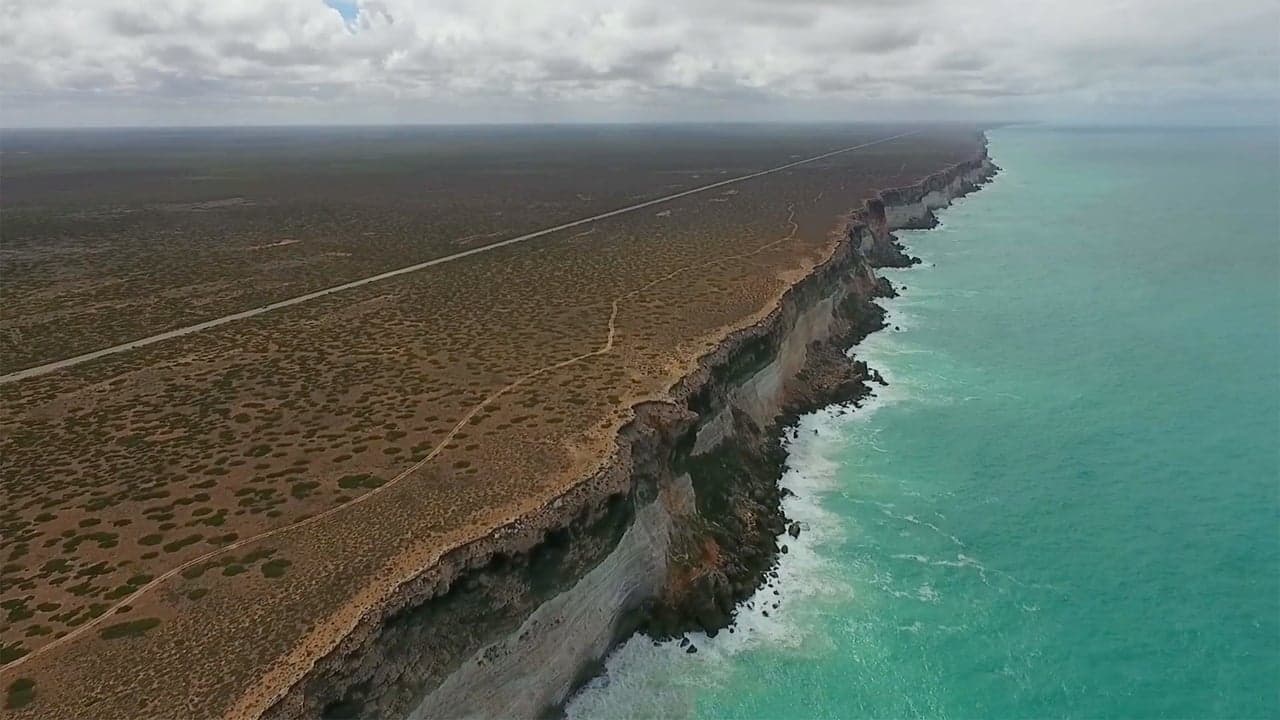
678, 527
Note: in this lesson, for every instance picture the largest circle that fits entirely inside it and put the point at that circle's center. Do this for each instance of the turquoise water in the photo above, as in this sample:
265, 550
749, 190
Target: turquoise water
1067, 503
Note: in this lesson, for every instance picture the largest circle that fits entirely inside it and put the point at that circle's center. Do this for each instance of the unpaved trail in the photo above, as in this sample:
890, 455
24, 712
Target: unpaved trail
606, 347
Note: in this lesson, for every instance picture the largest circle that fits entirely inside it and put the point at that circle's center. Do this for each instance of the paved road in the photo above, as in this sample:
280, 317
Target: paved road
207, 324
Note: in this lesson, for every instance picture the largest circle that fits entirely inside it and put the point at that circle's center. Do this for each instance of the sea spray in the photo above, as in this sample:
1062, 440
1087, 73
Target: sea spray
644, 678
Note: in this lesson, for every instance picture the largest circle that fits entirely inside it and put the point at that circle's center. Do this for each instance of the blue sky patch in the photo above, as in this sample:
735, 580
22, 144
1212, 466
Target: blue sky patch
346, 8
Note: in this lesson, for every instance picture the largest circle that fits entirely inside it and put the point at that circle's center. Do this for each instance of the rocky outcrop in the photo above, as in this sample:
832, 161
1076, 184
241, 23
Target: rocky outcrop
678, 527
913, 208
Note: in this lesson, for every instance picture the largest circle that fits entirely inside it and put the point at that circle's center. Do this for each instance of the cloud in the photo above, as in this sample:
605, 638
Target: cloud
322, 61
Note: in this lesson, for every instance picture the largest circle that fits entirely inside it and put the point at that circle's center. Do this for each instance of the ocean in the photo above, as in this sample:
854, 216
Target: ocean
1066, 503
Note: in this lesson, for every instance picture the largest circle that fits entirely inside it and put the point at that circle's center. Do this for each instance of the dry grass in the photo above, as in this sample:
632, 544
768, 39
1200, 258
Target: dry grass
388, 422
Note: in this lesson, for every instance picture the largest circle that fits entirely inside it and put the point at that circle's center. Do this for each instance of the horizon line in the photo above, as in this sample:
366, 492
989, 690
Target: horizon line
992, 124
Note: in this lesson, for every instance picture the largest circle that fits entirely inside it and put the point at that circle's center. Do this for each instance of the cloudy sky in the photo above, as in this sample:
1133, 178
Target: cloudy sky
212, 62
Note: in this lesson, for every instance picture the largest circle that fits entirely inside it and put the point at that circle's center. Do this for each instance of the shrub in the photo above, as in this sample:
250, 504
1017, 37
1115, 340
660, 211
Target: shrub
9, 653
275, 568
177, 545
21, 692
302, 489
350, 482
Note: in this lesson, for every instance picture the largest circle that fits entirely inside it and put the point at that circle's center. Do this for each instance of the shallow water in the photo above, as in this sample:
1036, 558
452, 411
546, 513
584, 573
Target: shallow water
1067, 503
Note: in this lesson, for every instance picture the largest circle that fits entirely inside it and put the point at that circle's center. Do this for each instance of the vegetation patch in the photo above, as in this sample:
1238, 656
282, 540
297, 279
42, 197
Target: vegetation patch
351, 482
275, 568
11, 651
20, 694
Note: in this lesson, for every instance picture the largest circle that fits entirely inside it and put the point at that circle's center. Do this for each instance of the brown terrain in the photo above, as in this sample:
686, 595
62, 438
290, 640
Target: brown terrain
189, 525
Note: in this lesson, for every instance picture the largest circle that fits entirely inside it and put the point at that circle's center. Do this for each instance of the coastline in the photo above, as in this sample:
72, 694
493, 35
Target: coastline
678, 526
920, 585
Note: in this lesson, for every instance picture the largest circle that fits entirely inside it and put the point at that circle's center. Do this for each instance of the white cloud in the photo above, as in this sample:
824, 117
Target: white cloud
237, 61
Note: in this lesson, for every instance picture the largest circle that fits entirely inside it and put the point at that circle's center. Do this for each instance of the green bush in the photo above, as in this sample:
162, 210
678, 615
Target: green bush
177, 545
275, 568
11, 652
351, 482
21, 692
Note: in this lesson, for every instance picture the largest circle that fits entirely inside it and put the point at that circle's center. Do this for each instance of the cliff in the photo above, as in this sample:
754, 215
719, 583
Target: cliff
680, 525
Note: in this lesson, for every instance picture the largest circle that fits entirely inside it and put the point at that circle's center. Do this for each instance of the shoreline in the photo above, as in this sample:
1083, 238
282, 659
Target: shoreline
678, 526
789, 541
808, 473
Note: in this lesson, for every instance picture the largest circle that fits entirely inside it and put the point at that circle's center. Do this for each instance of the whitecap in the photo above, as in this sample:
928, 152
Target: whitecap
642, 678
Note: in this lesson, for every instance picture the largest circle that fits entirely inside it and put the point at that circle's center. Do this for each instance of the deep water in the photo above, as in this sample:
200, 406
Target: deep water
1067, 502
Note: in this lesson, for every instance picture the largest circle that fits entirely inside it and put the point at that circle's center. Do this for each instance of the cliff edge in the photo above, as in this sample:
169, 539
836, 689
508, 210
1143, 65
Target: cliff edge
679, 526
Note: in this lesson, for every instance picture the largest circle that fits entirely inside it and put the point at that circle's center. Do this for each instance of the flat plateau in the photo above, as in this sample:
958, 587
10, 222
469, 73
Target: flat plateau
263, 517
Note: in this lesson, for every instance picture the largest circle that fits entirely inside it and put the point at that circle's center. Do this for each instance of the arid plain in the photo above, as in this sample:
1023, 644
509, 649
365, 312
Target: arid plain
189, 522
